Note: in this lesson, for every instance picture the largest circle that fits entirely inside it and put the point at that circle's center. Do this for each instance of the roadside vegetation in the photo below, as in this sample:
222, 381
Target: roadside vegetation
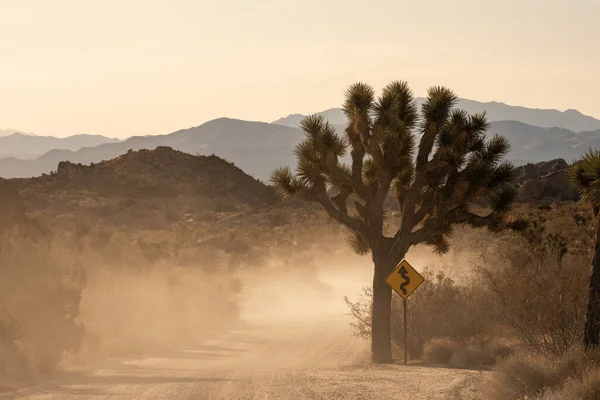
521, 312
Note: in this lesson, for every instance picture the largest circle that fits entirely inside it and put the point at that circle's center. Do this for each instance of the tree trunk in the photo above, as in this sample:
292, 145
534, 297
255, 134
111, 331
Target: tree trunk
381, 345
591, 337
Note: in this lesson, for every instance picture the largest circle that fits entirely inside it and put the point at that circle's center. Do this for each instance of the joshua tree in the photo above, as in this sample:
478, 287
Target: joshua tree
432, 181
584, 175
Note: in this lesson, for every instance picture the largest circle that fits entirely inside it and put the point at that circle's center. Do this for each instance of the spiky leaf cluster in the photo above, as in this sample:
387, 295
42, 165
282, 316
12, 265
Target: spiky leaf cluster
435, 162
584, 175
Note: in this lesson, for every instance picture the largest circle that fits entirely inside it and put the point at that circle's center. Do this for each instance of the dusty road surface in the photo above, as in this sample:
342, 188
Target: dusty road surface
308, 353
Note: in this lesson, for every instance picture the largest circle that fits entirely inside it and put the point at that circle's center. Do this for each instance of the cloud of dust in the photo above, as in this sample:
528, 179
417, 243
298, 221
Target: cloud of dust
128, 312
137, 312
287, 294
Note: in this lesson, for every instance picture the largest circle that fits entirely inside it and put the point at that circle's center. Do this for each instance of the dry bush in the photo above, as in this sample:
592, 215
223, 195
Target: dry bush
439, 351
476, 354
40, 290
584, 387
537, 286
438, 309
521, 376
525, 375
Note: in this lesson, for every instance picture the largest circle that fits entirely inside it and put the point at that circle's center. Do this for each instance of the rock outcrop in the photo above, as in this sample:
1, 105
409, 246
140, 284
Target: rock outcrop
545, 181
556, 185
532, 189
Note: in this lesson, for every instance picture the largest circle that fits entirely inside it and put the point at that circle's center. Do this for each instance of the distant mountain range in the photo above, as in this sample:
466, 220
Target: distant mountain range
258, 147
572, 120
26, 146
8, 132
255, 147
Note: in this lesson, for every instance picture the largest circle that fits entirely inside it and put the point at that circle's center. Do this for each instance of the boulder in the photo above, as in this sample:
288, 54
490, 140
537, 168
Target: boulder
550, 182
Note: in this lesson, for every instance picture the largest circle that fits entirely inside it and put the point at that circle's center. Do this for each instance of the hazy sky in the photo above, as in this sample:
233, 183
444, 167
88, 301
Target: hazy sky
136, 67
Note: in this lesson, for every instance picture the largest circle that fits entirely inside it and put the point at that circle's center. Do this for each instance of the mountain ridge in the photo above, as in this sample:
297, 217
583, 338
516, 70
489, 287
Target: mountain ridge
27, 146
8, 132
570, 119
259, 147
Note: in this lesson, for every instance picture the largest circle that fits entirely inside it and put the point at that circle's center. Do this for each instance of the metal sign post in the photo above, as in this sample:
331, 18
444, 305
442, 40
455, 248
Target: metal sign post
404, 279
405, 332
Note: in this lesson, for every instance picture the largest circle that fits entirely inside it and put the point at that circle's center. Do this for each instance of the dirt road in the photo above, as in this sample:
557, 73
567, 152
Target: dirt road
316, 360
295, 353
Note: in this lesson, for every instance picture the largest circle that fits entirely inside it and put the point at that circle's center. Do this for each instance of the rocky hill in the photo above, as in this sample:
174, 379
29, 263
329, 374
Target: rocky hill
151, 206
146, 189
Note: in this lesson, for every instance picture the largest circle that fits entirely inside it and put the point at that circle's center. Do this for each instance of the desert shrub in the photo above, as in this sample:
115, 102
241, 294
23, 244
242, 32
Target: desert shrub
574, 375
496, 345
537, 287
438, 309
519, 376
584, 387
439, 351
40, 290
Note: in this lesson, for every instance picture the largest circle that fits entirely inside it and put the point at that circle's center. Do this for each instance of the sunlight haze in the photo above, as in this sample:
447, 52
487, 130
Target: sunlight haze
123, 68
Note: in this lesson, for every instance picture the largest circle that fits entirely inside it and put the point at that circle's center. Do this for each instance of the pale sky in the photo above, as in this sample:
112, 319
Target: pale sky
136, 67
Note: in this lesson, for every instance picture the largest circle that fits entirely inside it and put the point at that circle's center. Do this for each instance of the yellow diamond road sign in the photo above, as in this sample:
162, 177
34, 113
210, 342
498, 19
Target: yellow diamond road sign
404, 279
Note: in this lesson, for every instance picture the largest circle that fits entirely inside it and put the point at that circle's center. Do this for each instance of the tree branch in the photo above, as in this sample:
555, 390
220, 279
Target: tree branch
357, 154
461, 216
319, 190
337, 174
426, 143
458, 216
340, 199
